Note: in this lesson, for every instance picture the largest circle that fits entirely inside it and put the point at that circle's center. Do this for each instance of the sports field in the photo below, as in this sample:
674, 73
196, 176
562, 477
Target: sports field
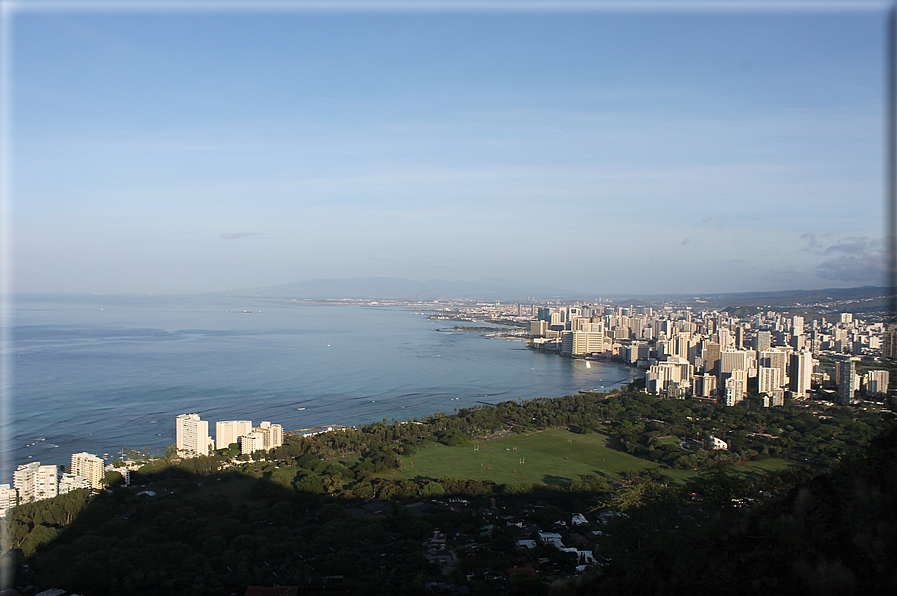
555, 456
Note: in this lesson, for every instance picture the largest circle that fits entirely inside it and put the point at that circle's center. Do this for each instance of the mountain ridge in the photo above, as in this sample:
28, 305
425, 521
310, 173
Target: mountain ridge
494, 288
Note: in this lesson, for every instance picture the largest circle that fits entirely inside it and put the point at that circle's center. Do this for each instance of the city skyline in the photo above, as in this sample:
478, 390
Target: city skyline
594, 150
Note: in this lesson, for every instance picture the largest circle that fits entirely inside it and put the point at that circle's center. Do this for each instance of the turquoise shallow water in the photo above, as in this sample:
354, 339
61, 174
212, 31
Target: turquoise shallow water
99, 373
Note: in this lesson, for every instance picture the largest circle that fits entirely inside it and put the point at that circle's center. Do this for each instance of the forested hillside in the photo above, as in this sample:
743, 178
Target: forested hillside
328, 512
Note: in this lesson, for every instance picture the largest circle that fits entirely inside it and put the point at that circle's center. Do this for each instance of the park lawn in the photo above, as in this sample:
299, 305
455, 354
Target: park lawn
555, 456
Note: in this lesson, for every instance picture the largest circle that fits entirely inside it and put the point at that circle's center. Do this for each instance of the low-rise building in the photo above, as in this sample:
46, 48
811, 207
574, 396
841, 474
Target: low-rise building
251, 443
552, 538
70, 482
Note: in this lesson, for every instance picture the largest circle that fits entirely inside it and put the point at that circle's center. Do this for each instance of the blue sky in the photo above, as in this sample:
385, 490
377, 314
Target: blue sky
595, 151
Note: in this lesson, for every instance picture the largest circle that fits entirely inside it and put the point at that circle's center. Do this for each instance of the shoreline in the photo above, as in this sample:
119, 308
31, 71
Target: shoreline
136, 407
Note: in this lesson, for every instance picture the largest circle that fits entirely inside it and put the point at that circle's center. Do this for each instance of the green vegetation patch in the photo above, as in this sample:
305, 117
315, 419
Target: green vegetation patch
234, 488
756, 469
555, 456
765, 466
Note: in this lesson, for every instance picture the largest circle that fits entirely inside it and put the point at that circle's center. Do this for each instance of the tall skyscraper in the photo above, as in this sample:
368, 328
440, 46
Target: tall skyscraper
681, 344
801, 373
889, 343
35, 482
704, 385
272, 434
776, 358
25, 480
711, 356
725, 339
877, 382
89, 467
769, 379
731, 360
763, 340
192, 435
581, 343
735, 387
799, 342
228, 432
847, 381
671, 377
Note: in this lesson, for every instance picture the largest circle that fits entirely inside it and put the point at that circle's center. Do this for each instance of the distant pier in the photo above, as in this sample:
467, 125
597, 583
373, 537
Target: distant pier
315, 430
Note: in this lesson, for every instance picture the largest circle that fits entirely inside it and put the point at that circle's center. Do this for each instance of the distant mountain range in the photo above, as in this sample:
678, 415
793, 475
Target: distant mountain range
871, 295
492, 289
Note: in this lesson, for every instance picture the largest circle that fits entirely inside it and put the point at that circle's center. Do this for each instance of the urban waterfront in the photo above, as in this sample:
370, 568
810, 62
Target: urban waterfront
99, 373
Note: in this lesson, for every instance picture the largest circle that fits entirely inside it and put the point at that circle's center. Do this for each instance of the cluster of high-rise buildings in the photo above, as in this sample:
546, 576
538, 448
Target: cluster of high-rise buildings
34, 482
714, 356
192, 436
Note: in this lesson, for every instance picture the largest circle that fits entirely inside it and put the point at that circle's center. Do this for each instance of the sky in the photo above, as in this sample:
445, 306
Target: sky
674, 151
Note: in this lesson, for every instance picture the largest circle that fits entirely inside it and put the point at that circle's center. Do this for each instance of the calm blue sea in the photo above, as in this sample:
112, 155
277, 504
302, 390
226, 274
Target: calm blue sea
99, 373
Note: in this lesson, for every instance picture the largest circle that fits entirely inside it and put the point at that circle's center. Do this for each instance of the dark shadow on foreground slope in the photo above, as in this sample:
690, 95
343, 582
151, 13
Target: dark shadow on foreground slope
219, 534
836, 534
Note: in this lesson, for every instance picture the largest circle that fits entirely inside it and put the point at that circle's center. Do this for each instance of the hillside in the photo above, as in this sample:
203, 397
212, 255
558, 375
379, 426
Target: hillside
392, 507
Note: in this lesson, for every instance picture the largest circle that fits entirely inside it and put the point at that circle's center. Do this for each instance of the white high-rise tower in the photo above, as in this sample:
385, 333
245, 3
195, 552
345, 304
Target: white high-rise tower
89, 467
801, 373
229, 431
192, 436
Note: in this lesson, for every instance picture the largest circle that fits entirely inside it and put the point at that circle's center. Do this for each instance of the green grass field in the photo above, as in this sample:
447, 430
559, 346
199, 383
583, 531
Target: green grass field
555, 456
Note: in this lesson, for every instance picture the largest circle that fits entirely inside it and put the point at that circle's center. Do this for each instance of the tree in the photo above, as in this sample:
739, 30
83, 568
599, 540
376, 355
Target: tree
112, 478
432, 489
630, 497
38, 536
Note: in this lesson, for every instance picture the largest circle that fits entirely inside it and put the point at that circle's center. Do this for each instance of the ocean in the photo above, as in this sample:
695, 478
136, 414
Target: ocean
99, 373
